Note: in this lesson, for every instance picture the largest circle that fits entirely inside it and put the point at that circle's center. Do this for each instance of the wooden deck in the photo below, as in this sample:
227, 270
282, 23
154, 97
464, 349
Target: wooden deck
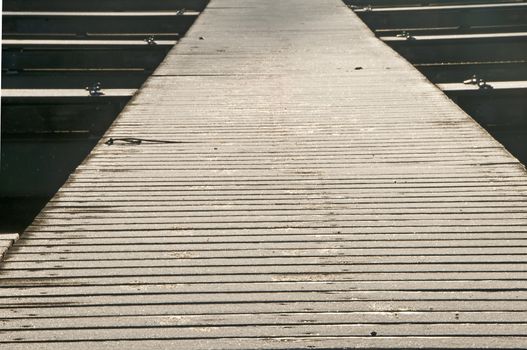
298, 185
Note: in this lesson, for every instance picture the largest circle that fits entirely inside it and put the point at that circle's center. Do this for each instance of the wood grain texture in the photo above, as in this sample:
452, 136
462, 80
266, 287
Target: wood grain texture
299, 185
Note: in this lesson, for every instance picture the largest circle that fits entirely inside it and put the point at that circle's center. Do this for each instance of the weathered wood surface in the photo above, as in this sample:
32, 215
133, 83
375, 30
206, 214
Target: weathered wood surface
6, 241
300, 186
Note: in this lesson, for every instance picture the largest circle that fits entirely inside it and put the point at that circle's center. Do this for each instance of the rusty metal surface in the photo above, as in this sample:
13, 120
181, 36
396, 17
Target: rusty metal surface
297, 184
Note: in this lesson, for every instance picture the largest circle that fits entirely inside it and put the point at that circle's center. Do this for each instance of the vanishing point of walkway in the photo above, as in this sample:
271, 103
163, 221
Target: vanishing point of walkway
299, 185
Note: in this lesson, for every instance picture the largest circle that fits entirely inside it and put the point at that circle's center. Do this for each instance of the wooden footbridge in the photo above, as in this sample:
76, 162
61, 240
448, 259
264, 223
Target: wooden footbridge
283, 180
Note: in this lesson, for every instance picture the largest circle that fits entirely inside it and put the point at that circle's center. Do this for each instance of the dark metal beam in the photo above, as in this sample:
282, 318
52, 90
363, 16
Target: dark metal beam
71, 79
461, 48
86, 54
463, 17
83, 24
60, 111
501, 110
34, 167
458, 72
103, 5
454, 30
398, 3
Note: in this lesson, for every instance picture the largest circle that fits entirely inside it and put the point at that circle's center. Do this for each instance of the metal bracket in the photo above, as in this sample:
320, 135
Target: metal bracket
151, 40
360, 8
406, 35
95, 89
479, 82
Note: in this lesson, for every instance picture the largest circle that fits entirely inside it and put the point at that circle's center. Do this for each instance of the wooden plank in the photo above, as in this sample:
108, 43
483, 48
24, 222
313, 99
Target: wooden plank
367, 270
424, 252
175, 333
391, 278
358, 342
448, 287
269, 319
6, 241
